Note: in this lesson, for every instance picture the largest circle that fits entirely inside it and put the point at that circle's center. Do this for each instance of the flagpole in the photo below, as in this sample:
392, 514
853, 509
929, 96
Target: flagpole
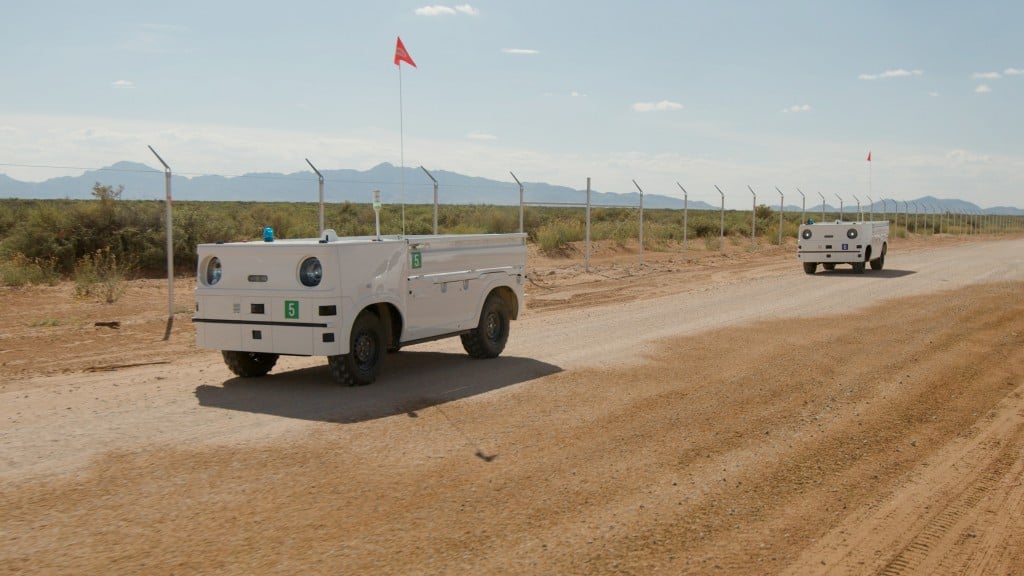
402, 55
401, 140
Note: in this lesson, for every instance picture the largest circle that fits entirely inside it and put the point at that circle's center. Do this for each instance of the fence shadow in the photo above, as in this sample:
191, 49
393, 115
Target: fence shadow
409, 381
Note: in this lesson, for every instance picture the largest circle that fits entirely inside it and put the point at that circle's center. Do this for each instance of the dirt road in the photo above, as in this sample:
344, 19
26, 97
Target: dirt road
734, 417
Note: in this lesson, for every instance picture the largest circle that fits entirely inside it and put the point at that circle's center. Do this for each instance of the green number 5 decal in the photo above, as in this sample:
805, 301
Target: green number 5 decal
291, 309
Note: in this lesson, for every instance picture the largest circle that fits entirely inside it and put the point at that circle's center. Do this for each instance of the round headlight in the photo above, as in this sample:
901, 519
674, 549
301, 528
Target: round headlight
806, 234
851, 233
213, 271
311, 272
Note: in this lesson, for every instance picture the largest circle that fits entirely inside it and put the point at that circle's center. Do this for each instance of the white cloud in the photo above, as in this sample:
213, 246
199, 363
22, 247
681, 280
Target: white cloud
986, 75
520, 51
442, 10
662, 106
797, 108
123, 84
982, 89
576, 94
960, 157
435, 11
897, 73
933, 94
481, 136
1013, 71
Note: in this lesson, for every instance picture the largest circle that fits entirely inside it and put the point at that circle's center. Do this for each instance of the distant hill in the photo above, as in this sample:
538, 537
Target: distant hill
141, 181
145, 182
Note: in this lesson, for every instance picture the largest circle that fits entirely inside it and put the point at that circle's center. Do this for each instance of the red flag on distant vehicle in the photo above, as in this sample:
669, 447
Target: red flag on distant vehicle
402, 55
869, 151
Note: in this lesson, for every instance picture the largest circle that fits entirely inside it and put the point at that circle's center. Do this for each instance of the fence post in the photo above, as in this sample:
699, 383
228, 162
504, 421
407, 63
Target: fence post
753, 220
520, 201
320, 187
170, 246
721, 233
686, 202
586, 264
641, 221
429, 175
782, 208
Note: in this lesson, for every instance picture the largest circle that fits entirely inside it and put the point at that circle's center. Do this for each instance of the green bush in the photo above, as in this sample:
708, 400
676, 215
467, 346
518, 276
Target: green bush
102, 274
554, 237
705, 228
20, 270
43, 240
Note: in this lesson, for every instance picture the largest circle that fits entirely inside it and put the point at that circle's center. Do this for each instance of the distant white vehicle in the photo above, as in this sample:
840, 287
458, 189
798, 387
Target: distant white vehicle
854, 243
353, 299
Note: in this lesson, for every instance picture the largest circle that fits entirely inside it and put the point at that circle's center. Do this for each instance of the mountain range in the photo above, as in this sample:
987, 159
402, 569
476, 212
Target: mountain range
408, 185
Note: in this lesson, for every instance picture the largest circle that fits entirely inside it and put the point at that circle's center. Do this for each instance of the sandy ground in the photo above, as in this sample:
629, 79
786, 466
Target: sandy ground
707, 413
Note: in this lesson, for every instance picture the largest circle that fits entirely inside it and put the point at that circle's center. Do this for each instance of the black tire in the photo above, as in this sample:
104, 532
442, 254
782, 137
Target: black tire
366, 348
858, 267
810, 267
249, 364
489, 338
879, 262
829, 266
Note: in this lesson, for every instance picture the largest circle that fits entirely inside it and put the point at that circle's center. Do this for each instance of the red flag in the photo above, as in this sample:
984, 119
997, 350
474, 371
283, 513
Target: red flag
402, 55
869, 151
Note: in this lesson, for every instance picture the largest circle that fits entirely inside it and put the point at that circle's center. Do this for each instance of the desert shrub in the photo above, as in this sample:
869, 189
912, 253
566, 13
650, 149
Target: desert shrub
620, 231
664, 230
20, 270
463, 228
705, 227
556, 236
765, 217
48, 232
501, 219
102, 274
789, 230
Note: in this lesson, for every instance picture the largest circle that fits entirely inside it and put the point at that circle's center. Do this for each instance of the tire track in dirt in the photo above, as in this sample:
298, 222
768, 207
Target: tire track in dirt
950, 518
929, 548
730, 451
737, 449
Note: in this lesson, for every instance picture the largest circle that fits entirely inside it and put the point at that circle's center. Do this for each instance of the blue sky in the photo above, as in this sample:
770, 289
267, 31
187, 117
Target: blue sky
787, 93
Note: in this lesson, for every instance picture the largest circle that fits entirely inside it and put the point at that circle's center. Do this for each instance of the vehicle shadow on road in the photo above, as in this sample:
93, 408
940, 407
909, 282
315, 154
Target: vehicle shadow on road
867, 273
409, 381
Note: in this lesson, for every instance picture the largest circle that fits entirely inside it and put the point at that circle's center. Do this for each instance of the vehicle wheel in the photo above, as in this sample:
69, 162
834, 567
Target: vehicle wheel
490, 335
858, 267
880, 262
249, 364
362, 363
829, 266
810, 267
